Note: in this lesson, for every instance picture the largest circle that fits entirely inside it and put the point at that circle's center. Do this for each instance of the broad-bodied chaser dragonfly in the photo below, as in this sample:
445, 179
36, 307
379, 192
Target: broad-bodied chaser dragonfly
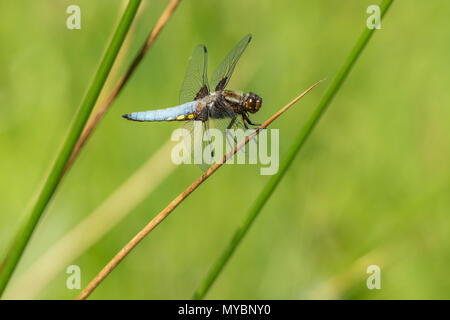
199, 103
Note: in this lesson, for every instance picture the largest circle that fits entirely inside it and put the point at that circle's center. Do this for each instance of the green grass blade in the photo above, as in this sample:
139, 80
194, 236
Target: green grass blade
23, 236
296, 147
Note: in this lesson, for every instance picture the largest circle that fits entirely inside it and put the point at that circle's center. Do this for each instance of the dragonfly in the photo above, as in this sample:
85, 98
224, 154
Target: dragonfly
209, 102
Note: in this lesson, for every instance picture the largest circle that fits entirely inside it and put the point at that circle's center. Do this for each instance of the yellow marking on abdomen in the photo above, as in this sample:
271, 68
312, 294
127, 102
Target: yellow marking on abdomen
181, 117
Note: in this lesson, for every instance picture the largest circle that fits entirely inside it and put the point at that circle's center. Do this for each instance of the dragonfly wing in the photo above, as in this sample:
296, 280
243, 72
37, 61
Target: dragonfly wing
223, 73
195, 84
204, 142
199, 145
238, 132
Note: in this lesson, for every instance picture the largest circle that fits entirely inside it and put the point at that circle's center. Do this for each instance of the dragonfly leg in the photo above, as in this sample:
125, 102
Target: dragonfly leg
245, 124
253, 124
233, 119
206, 130
247, 120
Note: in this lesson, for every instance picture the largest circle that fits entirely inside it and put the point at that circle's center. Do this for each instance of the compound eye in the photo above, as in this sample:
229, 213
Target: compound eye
252, 103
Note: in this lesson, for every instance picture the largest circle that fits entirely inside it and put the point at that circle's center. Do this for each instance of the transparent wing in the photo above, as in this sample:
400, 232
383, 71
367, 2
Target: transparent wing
208, 146
233, 137
222, 74
201, 152
195, 84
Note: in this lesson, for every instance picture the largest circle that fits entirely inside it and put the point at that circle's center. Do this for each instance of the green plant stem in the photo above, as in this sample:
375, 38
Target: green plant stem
51, 183
296, 147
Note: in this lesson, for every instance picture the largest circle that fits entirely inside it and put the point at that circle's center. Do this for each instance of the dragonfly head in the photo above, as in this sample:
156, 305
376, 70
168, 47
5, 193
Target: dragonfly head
252, 102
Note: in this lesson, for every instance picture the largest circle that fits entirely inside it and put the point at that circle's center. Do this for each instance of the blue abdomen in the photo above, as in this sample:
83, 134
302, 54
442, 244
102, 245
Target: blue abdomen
181, 112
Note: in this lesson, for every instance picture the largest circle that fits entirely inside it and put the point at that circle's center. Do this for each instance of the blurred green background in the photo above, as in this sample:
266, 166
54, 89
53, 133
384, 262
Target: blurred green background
370, 187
